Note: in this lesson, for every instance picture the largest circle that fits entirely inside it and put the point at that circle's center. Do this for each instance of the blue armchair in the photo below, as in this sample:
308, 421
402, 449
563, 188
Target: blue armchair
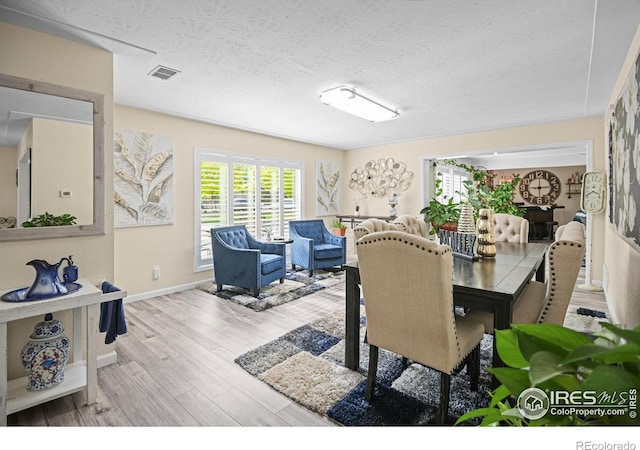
240, 260
314, 247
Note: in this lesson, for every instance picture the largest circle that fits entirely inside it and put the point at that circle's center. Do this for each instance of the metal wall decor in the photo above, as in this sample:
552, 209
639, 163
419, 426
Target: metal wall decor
381, 177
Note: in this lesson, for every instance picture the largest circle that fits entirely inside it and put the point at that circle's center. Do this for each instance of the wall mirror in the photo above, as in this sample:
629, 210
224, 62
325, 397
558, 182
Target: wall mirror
52, 157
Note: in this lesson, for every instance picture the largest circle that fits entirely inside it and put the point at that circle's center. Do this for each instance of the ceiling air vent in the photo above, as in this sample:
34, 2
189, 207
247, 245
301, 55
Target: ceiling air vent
164, 73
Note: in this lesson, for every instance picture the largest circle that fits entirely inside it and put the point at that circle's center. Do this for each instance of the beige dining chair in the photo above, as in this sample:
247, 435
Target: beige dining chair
406, 223
411, 225
548, 302
509, 228
407, 285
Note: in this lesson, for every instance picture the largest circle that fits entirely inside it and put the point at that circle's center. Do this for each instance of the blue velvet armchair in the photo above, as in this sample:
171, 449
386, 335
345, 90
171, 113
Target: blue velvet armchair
314, 247
242, 261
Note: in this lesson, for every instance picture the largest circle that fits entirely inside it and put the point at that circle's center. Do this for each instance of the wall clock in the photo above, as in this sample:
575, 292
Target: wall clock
593, 191
540, 187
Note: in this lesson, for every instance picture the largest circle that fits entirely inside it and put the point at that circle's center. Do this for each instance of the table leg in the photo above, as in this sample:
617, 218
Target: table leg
92, 353
3, 374
352, 320
501, 320
541, 272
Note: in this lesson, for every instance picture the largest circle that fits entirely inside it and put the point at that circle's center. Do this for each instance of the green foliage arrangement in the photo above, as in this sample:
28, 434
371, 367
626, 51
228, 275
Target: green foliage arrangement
49, 220
438, 214
337, 224
554, 358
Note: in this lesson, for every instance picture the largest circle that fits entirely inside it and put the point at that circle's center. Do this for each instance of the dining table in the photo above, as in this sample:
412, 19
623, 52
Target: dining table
489, 284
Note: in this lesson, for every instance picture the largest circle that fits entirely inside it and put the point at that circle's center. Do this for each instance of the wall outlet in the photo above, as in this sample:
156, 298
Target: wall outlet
156, 273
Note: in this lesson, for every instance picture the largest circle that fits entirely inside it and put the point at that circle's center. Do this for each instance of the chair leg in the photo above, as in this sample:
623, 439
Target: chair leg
371, 376
445, 386
473, 367
310, 272
255, 292
281, 280
293, 267
218, 287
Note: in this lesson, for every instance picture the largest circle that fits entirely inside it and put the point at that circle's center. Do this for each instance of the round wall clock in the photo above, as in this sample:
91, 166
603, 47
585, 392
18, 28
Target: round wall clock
593, 192
540, 187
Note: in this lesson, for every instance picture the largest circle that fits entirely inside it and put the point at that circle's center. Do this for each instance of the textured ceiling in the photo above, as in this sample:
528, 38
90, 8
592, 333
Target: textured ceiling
448, 66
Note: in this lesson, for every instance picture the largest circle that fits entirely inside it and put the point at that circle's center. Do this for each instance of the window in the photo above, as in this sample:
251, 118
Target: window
256, 192
452, 183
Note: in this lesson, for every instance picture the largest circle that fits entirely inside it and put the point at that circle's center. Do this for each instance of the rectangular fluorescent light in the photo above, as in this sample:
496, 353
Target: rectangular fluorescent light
348, 100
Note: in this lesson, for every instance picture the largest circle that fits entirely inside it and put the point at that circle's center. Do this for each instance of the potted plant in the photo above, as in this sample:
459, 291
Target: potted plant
339, 228
49, 220
441, 215
566, 373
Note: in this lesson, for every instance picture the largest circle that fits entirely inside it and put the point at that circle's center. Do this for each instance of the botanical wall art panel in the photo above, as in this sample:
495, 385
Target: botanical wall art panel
143, 168
327, 188
624, 162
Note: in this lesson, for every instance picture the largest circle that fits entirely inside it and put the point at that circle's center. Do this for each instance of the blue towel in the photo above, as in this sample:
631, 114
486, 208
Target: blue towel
112, 319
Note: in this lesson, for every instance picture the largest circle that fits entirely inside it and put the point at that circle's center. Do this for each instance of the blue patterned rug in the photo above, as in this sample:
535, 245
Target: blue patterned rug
296, 285
307, 365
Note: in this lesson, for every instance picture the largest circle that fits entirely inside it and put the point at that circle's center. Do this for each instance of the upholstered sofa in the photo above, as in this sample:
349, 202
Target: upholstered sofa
314, 247
242, 261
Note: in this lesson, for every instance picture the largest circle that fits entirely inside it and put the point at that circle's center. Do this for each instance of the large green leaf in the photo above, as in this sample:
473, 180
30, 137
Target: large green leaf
630, 335
546, 366
555, 335
516, 380
605, 355
610, 379
509, 349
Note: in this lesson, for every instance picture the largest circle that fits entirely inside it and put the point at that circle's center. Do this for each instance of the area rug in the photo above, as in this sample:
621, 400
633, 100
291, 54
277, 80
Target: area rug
307, 365
296, 285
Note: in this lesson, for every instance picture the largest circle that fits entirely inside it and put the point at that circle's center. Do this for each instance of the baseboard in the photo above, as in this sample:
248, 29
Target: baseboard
107, 359
164, 291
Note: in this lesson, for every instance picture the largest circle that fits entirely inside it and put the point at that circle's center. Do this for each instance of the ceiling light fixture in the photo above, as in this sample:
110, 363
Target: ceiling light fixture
348, 100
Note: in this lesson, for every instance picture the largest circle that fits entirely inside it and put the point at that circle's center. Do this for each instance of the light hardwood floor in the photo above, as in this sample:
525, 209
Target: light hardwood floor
175, 365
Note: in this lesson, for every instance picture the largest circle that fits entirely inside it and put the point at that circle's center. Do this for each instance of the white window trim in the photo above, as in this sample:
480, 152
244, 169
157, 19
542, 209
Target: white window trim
204, 154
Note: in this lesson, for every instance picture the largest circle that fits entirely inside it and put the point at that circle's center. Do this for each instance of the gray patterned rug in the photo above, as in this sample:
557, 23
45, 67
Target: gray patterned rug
296, 285
307, 365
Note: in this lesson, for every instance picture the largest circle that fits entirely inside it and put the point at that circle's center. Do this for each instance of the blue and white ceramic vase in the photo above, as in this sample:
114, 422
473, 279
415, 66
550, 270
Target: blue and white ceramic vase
45, 355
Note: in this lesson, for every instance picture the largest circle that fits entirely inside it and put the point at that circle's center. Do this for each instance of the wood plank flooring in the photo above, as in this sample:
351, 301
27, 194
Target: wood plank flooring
175, 366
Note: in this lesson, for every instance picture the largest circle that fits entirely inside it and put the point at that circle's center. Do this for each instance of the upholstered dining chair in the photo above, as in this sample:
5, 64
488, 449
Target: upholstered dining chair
242, 261
509, 228
408, 224
314, 247
411, 225
407, 284
548, 302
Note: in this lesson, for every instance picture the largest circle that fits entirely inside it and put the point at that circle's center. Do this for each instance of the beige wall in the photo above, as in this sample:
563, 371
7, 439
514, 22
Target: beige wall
62, 159
8, 189
28, 54
171, 247
622, 261
413, 153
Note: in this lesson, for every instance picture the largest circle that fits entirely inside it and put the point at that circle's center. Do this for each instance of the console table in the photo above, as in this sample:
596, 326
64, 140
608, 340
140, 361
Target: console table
358, 219
80, 374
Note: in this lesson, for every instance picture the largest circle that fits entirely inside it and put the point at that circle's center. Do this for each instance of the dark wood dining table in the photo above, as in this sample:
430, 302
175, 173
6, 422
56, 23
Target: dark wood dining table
488, 284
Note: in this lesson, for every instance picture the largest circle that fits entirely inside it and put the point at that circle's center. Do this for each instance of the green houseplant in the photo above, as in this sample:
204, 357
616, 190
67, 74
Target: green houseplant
571, 369
438, 214
49, 220
338, 227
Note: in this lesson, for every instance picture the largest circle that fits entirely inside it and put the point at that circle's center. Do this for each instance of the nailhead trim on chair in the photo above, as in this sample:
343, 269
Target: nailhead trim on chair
552, 275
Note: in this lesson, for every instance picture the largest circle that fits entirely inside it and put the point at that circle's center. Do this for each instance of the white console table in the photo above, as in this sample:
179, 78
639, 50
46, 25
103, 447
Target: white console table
80, 374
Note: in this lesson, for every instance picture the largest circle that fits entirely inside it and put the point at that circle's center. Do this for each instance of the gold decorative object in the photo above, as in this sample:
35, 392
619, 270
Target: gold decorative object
486, 233
466, 224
